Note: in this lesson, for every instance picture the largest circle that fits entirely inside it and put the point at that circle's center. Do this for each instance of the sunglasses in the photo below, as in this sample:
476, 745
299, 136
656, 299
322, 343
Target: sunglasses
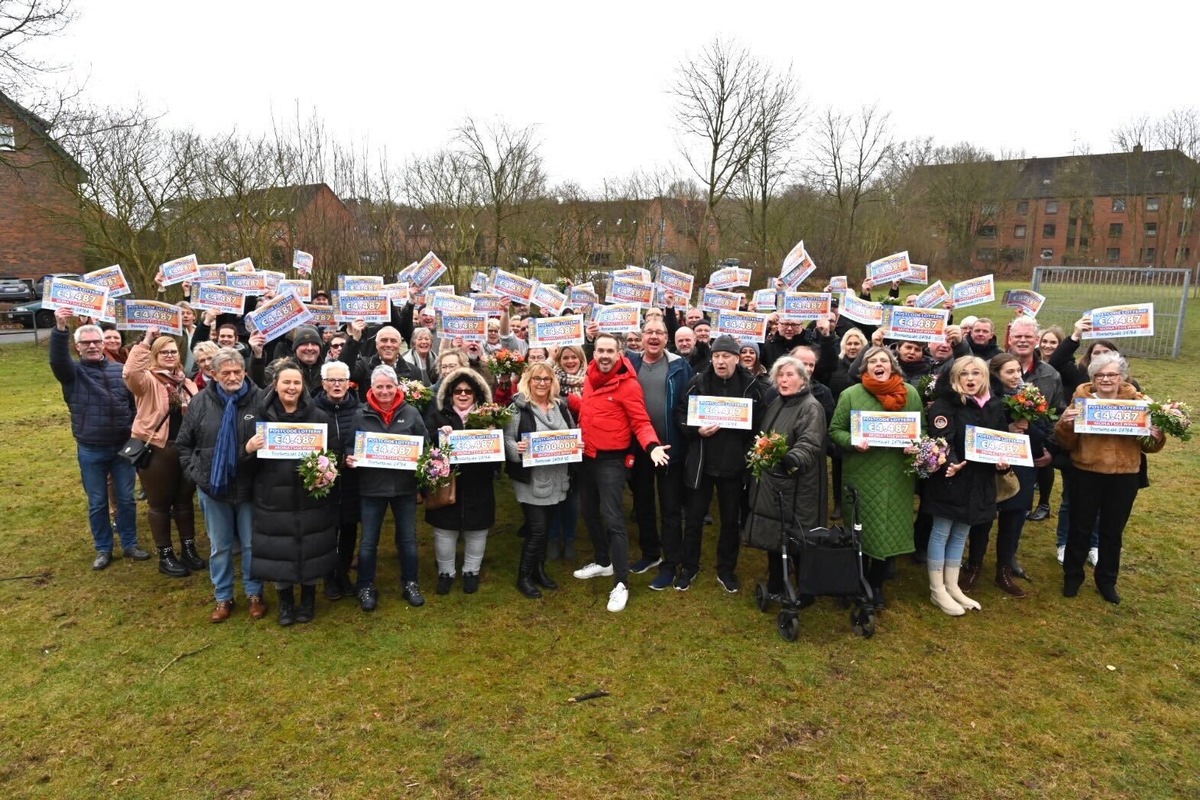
464, 391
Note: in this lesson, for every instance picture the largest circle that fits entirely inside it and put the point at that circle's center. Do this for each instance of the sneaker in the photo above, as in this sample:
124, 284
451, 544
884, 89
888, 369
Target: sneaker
412, 593
136, 553
368, 598
593, 570
663, 580
104, 558
444, 582
1062, 552
683, 581
729, 582
1093, 555
1038, 514
618, 597
644, 564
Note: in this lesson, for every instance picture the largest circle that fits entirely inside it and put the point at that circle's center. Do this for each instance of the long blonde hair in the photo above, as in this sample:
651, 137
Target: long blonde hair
539, 367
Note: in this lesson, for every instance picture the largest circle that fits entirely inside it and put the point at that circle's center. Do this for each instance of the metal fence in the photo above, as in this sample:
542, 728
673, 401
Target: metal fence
1073, 291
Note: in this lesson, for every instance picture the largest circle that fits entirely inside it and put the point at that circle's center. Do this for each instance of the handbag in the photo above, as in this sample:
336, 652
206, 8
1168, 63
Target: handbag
138, 452
1007, 485
444, 496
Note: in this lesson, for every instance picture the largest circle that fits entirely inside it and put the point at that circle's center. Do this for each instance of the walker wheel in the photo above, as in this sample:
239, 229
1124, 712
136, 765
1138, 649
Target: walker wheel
789, 625
862, 621
761, 598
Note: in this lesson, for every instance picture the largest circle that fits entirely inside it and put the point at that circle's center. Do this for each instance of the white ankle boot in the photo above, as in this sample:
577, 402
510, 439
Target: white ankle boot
956, 593
939, 596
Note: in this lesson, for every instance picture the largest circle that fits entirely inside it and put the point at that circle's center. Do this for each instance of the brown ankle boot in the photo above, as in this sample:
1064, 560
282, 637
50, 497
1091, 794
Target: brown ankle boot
1004, 579
968, 577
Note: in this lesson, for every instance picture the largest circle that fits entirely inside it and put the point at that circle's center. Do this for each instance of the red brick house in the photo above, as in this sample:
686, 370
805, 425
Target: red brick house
39, 205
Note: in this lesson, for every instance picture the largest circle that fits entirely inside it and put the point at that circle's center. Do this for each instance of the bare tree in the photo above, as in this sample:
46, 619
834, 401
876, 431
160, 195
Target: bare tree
443, 188
507, 168
718, 93
22, 24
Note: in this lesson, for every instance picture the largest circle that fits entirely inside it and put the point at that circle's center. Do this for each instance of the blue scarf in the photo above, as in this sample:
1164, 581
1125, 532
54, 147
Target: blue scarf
225, 454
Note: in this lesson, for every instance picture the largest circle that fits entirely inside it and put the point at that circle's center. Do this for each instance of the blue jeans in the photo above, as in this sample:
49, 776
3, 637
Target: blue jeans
95, 465
225, 521
404, 509
946, 541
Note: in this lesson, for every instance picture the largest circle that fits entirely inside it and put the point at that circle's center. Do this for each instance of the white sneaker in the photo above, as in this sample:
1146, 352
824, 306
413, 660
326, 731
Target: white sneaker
1093, 555
618, 597
594, 570
1062, 552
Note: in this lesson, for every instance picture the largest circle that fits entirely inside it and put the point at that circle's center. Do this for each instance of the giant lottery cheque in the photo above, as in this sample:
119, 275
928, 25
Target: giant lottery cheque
291, 439
474, 446
988, 446
552, 447
387, 450
726, 412
885, 428
1119, 417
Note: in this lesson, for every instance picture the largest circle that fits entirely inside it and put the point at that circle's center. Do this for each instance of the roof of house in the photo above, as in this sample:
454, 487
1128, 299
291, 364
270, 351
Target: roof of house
41, 128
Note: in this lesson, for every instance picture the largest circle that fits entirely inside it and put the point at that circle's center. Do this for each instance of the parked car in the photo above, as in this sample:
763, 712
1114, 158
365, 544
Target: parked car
28, 312
15, 290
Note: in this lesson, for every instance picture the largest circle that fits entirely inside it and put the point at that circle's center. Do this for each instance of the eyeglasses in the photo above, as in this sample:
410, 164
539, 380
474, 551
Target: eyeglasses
168, 352
337, 346
541, 379
336, 381
1107, 376
91, 342
464, 390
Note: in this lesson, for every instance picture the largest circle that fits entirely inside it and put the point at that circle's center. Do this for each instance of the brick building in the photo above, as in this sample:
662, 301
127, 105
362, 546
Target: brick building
39, 204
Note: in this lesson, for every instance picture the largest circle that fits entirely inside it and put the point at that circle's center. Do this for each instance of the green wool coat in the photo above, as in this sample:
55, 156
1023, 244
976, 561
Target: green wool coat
885, 492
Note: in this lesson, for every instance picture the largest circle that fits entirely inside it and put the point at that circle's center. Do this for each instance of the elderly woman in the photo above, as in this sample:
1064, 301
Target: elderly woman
539, 490
378, 489
202, 360
878, 473
219, 422
295, 534
961, 493
163, 393
1105, 482
343, 408
793, 493
422, 363
474, 509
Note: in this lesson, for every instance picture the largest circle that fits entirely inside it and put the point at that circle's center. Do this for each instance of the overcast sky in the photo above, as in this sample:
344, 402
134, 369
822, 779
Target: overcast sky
1043, 77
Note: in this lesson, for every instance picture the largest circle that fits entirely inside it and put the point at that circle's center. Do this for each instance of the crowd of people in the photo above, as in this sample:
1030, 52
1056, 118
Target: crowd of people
195, 402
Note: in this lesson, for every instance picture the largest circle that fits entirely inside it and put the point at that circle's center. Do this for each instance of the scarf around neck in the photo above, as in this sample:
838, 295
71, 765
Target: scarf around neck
225, 453
890, 392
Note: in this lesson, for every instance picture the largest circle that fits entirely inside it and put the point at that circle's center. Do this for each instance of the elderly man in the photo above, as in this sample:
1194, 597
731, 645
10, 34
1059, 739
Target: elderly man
387, 351
102, 411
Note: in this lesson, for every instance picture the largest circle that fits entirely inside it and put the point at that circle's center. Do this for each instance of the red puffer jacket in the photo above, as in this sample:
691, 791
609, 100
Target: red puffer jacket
612, 411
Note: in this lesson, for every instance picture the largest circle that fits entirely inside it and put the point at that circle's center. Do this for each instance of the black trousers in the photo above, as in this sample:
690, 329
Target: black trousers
601, 491
729, 504
666, 485
1106, 501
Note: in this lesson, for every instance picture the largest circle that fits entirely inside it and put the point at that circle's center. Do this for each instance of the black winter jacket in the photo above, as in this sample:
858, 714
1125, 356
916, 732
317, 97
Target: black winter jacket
969, 496
198, 437
295, 534
102, 407
378, 482
724, 453
343, 419
475, 498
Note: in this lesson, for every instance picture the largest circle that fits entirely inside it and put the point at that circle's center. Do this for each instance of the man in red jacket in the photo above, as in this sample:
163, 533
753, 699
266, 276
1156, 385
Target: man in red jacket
611, 412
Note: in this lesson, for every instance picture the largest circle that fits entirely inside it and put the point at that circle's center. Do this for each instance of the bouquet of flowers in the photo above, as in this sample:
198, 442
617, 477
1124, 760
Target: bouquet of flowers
1029, 404
891, 301
768, 450
506, 362
927, 386
433, 468
319, 471
930, 456
416, 394
489, 415
1173, 417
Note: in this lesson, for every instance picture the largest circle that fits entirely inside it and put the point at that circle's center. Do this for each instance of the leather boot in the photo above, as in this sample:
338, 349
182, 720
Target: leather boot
968, 577
308, 604
169, 565
190, 558
287, 606
529, 555
937, 593
953, 589
540, 577
1004, 579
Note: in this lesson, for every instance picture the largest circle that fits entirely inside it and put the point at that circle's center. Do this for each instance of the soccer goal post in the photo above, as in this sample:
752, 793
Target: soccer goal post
1071, 292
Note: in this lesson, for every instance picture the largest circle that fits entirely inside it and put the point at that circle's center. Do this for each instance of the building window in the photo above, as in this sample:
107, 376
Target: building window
1152, 204
1189, 202
7, 140
1023, 207
1116, 229
1051, 206
1118, 204
1114, 254
1019, 232
1151, 230
985, 254
987, 231
1048, 230
1148, 254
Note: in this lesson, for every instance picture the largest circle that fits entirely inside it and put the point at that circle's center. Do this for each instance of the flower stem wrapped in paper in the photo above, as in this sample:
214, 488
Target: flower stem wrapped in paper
1029, 404
1173, 418
489, 415
506, 362
319, 471
766, 453
416, 394
931, 454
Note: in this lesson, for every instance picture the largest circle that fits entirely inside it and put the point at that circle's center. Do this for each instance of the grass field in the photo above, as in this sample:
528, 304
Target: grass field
468, 696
